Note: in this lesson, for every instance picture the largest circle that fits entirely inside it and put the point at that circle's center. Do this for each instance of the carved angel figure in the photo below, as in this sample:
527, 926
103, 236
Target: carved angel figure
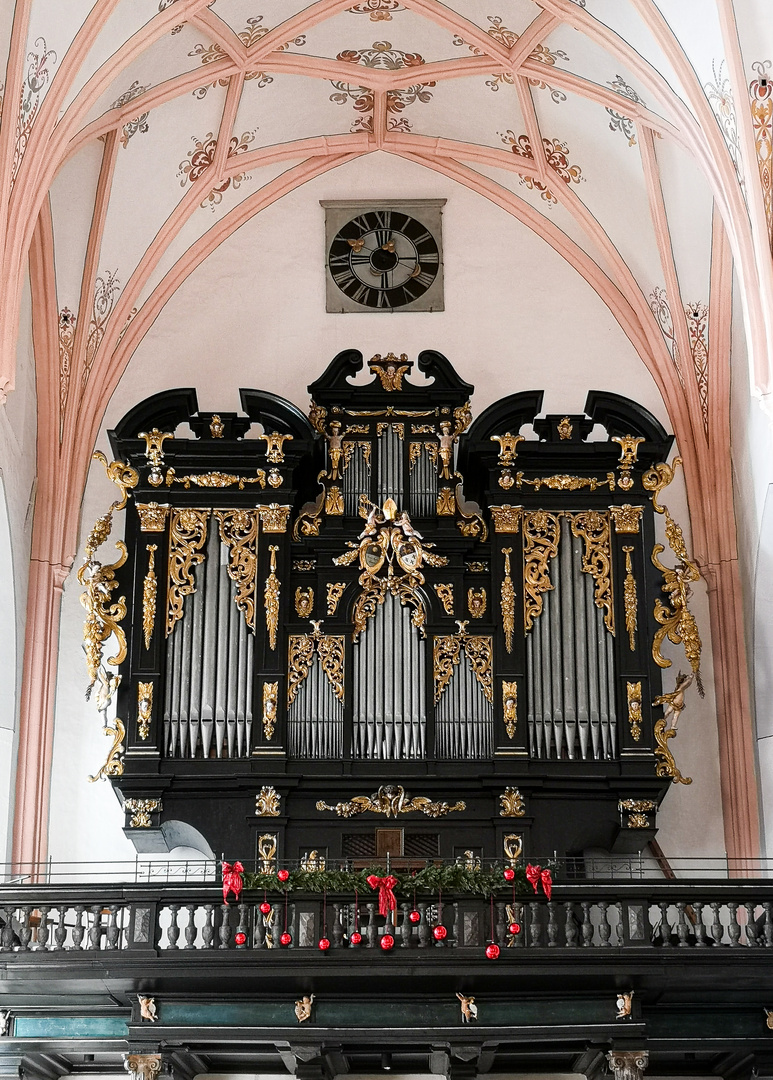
303, 1008
147, 1008
673, 703
623, 1004
468, 1007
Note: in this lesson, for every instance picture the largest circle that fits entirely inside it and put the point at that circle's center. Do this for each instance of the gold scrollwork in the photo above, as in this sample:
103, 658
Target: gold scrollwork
215, 479
638, 812
391, 800
626, 518
152, 516
154, 453
630, 599
274, 518
271, 598
541, 535
677, 622
334, 501
123, 476
331, 657
239, 532
267, 802
445, 593
507, 519
270, 701
331, 651
114, 764
275, 446
592, 526
447, 653
512, 803
187, 537
446, 503
102, 615
510, 707
633, 695
476, 602
508, 447
666, 766
335, 590
507, 600
140, 810
144, 708
564, 482
304, 602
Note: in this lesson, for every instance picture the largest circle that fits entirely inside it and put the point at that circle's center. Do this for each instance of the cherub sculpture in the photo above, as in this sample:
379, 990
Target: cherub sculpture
673, 703
303, 1008
623, 1003
147, 1008
468, 1007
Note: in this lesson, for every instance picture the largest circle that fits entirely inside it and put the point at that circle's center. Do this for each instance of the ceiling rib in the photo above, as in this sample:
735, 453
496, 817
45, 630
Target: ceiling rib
535, 32
221, 34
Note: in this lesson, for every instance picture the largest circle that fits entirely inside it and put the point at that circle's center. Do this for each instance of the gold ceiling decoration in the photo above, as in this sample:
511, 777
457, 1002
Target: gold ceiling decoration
391, 800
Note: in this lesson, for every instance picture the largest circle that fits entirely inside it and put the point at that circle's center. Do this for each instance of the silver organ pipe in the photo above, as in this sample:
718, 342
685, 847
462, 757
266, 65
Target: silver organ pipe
423, 480
356, 479
390, 466
464, 718
570, 666
209, 668
389, 680
315, 719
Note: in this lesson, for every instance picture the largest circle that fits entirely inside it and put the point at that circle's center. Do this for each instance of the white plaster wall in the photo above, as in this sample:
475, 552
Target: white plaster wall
18, 431
516, 317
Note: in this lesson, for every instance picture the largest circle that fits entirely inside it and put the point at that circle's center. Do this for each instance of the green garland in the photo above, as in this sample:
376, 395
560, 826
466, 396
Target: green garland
451, 879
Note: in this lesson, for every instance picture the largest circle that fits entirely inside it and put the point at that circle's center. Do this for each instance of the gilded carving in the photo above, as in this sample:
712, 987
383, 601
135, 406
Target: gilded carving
216, 426
390, 370
447, 652
626, 518
102, 615
334, 501
507, 519
275, 446
507, 600
565, 429
511, 802
476, 602
633, 695
629, 450
187, 537
154, 453
331, 651
506, 480
304, 601
271, 598
446, 503
274, 518
140, 810
335, 590
666, 766
391, 800
638, 811
144, 708
541, 534
592, 527
215, 479
270, 701
267, 802
445, 593
564, 482
303, 565
510, 707
512, 846
508, 447
630, 600
152, 516
114, 764
299, 658
274, 478
331, 657
267, 853
239, 531
123, 476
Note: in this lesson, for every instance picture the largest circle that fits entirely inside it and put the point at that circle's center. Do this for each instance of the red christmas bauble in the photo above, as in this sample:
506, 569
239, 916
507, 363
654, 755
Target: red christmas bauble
265, 907
439, 933
387, 942
285, 939
492, 951
514, 928
240, 938
324, 944
355, 938
415, 916
509, 873
283, 875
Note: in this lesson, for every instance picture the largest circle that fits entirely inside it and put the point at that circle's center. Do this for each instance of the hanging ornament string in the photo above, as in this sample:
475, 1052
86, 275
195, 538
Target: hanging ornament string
356, 936
324, 941
492, 916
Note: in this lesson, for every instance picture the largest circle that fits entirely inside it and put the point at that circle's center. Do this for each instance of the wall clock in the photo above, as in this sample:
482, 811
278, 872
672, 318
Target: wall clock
384, 256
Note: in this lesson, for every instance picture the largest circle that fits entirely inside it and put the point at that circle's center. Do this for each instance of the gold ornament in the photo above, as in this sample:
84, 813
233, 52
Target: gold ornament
154, 453
541, 535
633, 693
476, 603
447, 652
626, 517
267, 801
335, 590
144, 708
114, 764
271, 599
512, 803
445, 592
273, 518
391, 800
149, 590
508, 446
630, 599
270, 701
507, 519
565, 482
390, 370
275, 446
565, 429
215, 479
239, 532
510, 707
304, 601
592, 526
141, 809
152, 516
216, 427
187, 537
508, 602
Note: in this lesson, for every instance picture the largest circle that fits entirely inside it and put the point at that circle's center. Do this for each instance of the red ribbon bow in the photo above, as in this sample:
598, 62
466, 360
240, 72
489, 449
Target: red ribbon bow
535, 875
387, 900
232, 880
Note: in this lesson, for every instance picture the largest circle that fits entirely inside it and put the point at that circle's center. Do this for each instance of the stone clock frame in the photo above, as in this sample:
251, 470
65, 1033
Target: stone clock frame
338, 213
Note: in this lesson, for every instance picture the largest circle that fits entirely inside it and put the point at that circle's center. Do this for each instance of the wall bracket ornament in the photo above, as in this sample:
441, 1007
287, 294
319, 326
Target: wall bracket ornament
391, 800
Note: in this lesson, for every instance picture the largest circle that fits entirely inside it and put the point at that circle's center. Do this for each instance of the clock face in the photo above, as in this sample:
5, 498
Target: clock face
383, 259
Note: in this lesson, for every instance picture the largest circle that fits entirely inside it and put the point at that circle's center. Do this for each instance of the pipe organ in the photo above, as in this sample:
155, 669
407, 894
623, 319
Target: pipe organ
387, 593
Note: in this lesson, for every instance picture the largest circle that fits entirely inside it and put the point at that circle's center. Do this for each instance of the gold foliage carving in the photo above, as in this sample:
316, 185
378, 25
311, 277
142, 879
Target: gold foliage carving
592, 527
476, 602
114, 764
445, 592
270, 701
187, 537
271, 598
275, 446
267, 802
304, 602
564, 482
331, 657
633, 695
626, 518
123, 476
507, 519
508, 602
447, 652
335, 590
239, 531
391, 800
510, 707
630, 600
541, 534
140, 810
666, 766
300, 655
144, 708
215, 479
102, 615
273, 518
331, 651
512, 803
446, 503
334, 501
152, 516
565, 429
508, 446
